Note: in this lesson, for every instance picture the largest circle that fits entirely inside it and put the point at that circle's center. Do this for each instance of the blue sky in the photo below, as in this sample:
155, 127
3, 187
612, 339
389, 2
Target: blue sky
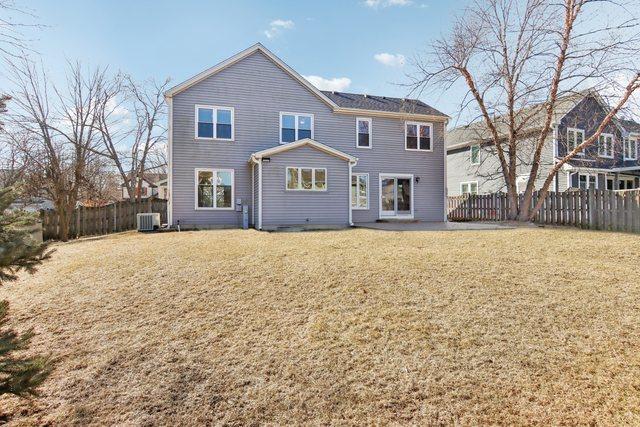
363, 41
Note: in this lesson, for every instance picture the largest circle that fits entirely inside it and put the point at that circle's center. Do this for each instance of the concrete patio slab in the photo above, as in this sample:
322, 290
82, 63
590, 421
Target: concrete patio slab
434, 226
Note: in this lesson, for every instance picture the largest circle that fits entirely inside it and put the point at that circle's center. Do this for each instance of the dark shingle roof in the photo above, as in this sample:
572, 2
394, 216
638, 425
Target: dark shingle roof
382, 103
630, 126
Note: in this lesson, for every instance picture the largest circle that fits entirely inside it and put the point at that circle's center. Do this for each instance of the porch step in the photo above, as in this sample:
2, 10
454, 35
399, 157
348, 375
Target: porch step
398, 220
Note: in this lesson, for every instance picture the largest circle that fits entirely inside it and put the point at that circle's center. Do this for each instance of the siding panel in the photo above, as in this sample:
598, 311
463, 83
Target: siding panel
259, 90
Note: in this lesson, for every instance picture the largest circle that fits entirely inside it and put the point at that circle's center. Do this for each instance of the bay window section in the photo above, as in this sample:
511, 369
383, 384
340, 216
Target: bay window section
360, 191
214, 122
294, 127
306, 179
214, 188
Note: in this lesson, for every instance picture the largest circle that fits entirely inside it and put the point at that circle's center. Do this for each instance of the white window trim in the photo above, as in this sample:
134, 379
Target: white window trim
313, 179
356, 174
595, 175
605, 135
286, 113
215, 109
471, 154
468, 183
418, 130
575, 131
215, 172
364, 119
624, 148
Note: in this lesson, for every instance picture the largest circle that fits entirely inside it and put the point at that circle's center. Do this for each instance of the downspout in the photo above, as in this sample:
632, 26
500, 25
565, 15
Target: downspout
446, 189
350, 194
260, 194
170, 158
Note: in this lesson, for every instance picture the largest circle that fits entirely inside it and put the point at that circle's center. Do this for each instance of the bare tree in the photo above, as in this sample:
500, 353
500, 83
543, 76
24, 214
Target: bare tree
13, 20
510, 54
133, 144
59, 136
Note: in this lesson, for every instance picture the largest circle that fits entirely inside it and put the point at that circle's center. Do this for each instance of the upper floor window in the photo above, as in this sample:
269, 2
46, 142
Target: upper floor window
214, 122
310, 179
294, 127
214, 188
360, 191
605, 145
631, 149
475, 154
417, 136
575, 137
363, 133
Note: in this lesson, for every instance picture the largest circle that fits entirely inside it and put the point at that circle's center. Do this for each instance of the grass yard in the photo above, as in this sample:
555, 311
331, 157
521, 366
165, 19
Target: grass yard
526, 326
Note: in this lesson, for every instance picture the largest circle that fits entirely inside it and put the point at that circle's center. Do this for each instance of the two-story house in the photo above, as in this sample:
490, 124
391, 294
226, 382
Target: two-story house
251, 131
611, 163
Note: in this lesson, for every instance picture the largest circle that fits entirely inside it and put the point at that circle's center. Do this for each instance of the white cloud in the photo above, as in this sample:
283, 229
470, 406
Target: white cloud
278, 26
374, 4
337, 84
390, 59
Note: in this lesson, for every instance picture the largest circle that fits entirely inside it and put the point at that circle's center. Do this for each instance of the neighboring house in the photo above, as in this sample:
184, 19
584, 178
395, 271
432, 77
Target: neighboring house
149, 188
611, 163
252, 131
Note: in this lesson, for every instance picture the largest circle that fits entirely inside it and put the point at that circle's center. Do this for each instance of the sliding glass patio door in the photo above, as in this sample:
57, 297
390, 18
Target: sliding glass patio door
396, 195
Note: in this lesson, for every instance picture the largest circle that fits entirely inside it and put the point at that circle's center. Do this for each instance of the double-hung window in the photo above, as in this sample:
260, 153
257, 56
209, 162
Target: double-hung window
631, 149
214, 122
363, 132
587, 181
294, 126
417, 136
360, 191
306, 179
605, 145
575, 137
470, 187
475, 154
214, 188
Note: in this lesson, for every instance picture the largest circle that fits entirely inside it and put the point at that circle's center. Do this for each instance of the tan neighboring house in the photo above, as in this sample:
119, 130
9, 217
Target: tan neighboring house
153, 185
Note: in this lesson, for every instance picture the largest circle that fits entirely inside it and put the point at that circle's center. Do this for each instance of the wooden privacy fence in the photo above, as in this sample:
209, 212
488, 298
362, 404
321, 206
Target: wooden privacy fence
592, 209
118, 216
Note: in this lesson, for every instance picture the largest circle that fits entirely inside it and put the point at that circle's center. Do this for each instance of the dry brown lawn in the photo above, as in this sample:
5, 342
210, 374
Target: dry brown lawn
526, 326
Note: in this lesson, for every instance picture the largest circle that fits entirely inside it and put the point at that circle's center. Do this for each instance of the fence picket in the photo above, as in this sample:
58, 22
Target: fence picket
118, 216
588, 209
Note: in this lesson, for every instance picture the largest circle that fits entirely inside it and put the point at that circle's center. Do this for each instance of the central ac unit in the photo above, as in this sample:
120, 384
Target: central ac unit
148, 221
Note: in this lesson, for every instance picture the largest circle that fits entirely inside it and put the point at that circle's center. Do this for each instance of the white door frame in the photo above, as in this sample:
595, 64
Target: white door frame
381, 176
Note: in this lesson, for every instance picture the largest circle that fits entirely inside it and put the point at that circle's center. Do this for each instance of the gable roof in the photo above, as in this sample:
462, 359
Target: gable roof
382, 103
630, 126
302, 143
258, 47
340, 102
477, 131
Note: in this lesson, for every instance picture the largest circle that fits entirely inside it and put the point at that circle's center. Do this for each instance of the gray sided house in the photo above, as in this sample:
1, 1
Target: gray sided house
252, 132
611, 163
